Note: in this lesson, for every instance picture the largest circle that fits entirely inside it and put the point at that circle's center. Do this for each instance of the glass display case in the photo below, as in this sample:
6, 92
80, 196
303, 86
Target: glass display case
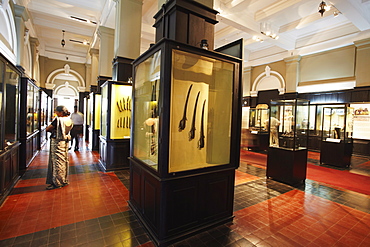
116, 107
256, 136
194, 127
94, 117
337, 131
10, 110
288, 127
9, 127
29, 133
186, 113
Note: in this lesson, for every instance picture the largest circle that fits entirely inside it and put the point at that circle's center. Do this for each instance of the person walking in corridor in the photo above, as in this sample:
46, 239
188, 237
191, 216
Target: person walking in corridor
78, 121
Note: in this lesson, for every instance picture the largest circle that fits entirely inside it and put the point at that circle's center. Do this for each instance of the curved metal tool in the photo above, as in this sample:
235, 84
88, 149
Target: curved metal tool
182, 123
192, 130
201, 137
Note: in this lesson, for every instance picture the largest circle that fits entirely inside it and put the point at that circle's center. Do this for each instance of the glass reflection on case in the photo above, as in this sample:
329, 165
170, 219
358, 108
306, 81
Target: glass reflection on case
146, 129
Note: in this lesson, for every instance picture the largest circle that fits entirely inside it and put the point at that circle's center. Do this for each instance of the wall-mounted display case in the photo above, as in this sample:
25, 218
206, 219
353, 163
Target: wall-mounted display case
29, 121
256, 136
337, 131
9, 127
116, 107
186, 114
288, 127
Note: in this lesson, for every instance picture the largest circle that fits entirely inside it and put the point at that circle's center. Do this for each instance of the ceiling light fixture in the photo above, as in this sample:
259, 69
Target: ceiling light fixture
80, 42
267, 30
82, 19
258, 39
63, 42
323, 7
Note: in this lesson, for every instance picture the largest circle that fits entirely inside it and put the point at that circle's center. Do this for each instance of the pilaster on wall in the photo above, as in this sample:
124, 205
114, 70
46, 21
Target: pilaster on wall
247, 81
292, 73
94, 53
35, 70
106, 50
362, 71
21, 16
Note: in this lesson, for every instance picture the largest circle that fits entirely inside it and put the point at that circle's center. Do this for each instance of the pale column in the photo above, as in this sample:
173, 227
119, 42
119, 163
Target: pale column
128, 28
362, 70
35, 70
292, 73
106, 50
94, 53
88, 75
21, 16
247, 77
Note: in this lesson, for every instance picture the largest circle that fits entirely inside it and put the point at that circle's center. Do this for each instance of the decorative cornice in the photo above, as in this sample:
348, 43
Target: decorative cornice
364, 43
21, 11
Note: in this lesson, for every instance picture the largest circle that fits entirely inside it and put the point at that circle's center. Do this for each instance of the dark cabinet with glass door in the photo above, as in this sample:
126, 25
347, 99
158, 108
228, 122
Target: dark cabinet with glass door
29, 121
9, 141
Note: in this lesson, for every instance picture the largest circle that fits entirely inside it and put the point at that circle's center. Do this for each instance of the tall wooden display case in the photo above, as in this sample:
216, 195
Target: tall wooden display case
9, 124
115, 125
337, 130
185, 139
256, 137
29, 121
94, 114
287, 153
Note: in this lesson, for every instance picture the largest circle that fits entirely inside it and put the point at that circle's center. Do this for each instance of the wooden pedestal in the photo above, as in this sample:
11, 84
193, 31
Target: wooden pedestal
287, 166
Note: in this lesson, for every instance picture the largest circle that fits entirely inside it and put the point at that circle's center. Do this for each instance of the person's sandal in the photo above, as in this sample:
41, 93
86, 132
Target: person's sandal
50, 187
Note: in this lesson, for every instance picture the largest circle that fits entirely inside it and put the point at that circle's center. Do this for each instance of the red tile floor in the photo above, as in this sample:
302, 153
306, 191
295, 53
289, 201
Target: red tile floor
93, 211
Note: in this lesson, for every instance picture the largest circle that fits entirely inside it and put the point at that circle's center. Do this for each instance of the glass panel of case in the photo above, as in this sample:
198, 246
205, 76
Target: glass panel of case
200, 87
2, 67
289, 124
36, 110
97, 111
258, 120
121, 111
104, 111
147, 83
30, 109
337, 124
11, 111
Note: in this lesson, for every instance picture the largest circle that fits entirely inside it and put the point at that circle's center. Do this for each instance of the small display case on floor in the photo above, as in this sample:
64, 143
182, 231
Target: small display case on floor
287, 154
256, 136
336, 141
115, 125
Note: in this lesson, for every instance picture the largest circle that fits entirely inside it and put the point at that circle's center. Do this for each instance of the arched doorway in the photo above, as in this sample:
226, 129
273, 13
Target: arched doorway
66, 85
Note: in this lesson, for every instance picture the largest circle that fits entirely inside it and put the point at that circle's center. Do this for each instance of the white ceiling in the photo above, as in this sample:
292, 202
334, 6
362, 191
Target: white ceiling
301, 28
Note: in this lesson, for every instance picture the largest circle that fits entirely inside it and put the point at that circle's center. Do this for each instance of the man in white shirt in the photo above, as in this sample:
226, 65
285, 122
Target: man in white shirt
78, 121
